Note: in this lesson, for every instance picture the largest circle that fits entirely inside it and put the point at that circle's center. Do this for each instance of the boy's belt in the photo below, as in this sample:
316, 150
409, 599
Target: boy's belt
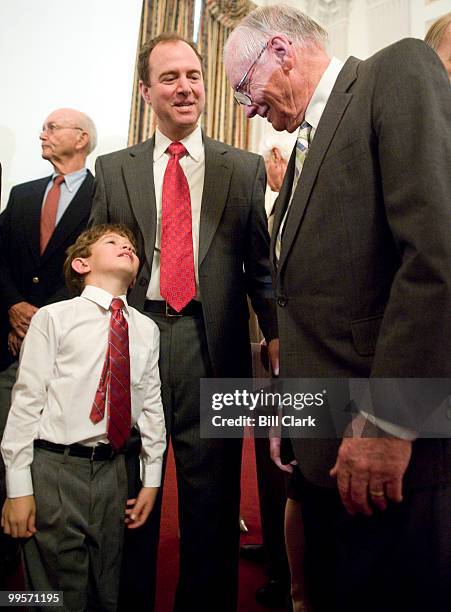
101, 452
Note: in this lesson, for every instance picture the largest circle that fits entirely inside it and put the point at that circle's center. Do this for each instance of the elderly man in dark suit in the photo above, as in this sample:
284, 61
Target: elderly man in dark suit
361, 255
196, 207
42, 218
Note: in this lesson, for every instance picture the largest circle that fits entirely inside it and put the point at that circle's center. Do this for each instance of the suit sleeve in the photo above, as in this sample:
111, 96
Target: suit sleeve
9, 294
412, 120
99, 210
256, 262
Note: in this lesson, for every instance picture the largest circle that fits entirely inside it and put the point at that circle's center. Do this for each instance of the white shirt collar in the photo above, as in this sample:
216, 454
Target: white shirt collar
101, 297
193, 143
322, 92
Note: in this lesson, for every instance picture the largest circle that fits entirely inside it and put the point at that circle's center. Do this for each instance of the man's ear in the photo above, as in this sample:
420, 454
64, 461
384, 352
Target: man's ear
81, 265
276, 154
144, 91
83, 140
283, 49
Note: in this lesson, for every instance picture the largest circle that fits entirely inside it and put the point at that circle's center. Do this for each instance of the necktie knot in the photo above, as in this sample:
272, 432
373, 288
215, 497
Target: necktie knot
176, 149
304, 135
116, 304
58, 179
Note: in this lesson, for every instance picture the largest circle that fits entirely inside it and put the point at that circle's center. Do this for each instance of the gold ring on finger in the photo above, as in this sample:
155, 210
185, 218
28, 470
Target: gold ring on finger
377, 493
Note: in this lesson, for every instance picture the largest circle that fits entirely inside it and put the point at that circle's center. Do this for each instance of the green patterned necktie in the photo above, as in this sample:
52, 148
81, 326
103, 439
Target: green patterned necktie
302, 145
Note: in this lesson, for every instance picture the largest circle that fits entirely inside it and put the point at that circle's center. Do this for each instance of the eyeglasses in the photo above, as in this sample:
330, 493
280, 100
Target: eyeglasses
240, 96
53, 127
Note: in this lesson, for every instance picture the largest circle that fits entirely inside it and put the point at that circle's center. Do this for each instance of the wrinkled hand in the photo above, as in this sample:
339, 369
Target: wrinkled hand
274, 449
139, 509
14, 343
369, 472
18, 516
273, 352
20, 315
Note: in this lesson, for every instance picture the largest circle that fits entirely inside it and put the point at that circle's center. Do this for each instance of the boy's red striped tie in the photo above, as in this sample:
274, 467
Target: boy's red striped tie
115, 380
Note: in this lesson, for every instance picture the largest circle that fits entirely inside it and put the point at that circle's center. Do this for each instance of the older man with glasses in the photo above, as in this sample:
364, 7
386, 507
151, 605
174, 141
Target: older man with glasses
361, 257
41, 220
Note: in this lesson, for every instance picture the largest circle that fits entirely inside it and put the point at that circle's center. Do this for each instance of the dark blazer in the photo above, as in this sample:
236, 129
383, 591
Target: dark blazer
364, 278
233, 242
24, 274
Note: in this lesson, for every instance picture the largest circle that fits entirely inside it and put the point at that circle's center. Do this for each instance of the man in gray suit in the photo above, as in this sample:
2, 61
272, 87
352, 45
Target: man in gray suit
209, 335
361, 256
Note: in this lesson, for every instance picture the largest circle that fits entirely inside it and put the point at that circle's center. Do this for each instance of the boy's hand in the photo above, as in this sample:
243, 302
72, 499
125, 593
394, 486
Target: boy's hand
18, 516
139, 509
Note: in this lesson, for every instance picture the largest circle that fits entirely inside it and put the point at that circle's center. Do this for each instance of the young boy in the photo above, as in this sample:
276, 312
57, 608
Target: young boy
88, 373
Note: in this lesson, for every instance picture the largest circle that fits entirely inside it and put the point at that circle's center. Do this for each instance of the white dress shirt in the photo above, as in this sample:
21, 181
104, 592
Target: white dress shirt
313, 114
321, 94
193, 165
60, 366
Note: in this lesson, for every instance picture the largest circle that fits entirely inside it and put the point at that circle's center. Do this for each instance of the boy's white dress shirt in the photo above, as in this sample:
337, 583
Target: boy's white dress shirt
59, 371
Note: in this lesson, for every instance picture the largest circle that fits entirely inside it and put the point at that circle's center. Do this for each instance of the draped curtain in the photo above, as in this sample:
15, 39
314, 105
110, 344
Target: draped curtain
223, 118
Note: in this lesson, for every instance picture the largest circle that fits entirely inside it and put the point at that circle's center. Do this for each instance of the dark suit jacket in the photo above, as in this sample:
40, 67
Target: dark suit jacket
24, 274
364, 278
233, 242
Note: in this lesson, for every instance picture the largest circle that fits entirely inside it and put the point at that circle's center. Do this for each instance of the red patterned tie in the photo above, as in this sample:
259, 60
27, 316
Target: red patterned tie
177, 280
115, 380
48, 212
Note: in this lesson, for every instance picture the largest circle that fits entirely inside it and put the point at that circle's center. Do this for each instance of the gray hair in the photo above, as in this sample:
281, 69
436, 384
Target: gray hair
263, 23
88, 125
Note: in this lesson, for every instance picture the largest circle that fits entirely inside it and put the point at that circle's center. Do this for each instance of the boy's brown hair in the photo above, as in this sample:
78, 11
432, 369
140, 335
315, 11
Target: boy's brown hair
82, 248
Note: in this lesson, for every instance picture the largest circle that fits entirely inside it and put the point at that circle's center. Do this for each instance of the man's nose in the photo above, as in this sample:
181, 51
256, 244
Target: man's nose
250, 111
183, 85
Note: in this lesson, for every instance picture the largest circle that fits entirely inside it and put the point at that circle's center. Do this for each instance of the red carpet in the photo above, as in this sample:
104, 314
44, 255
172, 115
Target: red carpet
251, 574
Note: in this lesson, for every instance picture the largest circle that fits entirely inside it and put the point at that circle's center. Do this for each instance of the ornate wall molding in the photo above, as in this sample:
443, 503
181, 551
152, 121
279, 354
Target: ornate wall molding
388, 21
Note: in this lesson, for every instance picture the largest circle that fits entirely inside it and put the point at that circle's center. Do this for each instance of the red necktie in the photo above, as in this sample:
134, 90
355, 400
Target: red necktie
177, 280
115, 380
48, 212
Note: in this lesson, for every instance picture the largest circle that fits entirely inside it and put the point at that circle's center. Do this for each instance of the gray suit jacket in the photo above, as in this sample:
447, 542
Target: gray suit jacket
233, 242
364, 278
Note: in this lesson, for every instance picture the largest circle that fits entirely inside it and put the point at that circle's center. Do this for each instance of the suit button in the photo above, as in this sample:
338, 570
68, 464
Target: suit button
282, 300
143, 281
35, 280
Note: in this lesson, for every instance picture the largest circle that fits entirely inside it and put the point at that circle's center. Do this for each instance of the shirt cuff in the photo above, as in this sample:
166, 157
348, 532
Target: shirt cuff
19, 482
397, 431
151, 474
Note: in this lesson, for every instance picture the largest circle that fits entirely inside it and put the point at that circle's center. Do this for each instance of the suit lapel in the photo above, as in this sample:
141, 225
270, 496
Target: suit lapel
138, 176
77, 211
329, 122
218, 170
32, 205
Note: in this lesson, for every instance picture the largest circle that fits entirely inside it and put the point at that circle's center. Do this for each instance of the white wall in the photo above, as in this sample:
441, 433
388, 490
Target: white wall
54, 53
